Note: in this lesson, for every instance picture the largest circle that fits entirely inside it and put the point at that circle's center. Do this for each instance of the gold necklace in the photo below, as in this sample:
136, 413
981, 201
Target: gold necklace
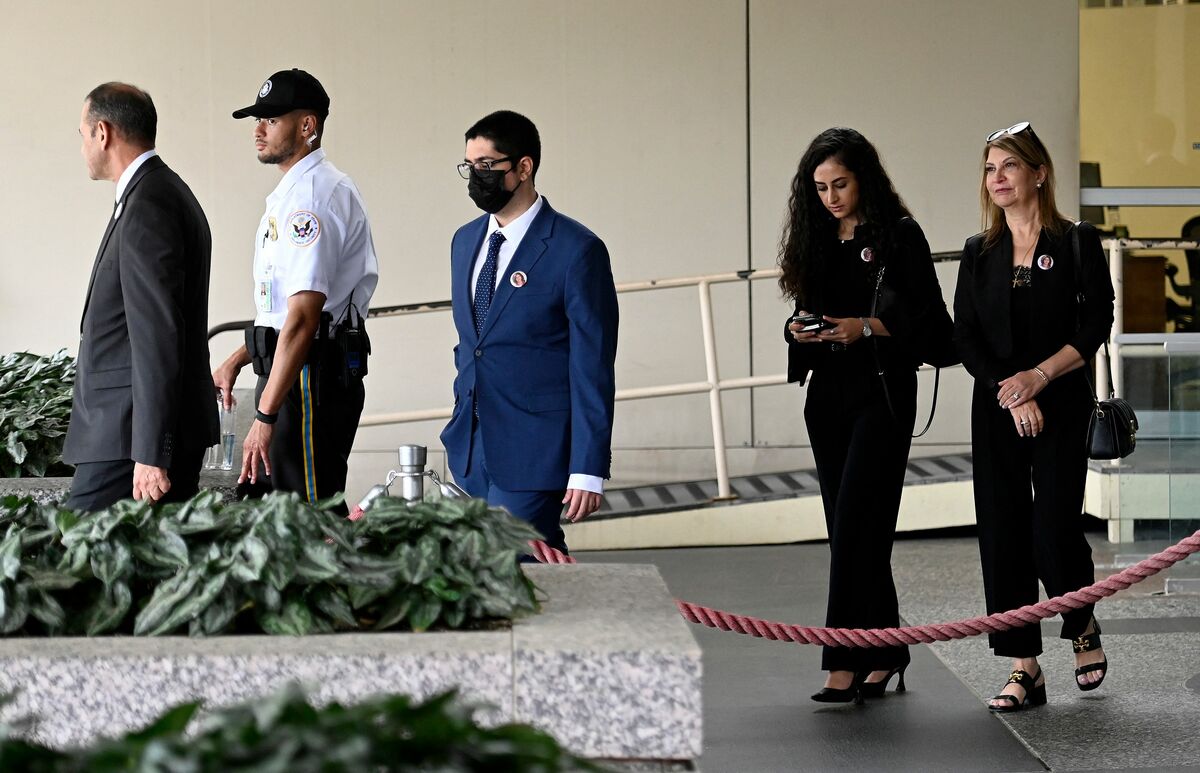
1028, 254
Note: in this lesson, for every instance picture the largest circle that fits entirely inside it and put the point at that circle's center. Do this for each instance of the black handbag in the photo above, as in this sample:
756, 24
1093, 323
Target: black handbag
1112, 430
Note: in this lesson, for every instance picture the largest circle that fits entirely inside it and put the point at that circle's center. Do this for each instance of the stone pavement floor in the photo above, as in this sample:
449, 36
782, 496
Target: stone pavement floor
758, 716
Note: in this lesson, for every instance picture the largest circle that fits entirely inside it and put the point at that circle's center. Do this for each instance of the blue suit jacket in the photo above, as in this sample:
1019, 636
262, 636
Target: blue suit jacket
541, 370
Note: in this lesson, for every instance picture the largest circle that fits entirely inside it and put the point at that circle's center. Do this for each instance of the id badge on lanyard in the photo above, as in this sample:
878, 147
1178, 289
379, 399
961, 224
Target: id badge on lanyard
263, 282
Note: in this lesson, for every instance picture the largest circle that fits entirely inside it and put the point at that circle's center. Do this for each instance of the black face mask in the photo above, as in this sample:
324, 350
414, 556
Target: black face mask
486, 189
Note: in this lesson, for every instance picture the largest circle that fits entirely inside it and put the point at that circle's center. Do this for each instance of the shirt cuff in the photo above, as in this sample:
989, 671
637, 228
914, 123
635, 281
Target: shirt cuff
583, 482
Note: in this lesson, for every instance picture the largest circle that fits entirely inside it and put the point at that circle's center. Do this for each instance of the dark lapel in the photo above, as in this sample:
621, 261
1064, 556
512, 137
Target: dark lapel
530, 251
461, 269
998, 289
151, 163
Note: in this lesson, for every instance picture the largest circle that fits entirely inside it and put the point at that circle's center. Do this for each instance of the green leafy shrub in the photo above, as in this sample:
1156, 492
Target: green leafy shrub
35, 406
285, 733
276, 565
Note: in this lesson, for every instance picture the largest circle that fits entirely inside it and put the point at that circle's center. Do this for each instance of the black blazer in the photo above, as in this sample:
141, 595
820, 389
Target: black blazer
910, 292
143, 388
983, 302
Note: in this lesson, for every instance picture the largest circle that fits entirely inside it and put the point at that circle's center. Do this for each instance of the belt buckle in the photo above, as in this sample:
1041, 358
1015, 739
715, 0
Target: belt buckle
836, 346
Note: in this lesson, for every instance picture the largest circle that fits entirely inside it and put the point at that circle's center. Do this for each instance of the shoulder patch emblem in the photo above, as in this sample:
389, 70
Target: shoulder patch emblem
303, 228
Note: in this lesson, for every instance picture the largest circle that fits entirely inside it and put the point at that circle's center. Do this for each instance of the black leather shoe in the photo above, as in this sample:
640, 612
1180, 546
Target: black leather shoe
845, 695
877, 689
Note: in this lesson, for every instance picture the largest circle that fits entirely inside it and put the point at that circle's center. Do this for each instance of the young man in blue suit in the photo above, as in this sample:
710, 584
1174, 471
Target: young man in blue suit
536, 314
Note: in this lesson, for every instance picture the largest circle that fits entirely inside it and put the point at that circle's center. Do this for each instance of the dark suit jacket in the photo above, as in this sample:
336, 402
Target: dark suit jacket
910, 293
143, 388
983, 303
542, 369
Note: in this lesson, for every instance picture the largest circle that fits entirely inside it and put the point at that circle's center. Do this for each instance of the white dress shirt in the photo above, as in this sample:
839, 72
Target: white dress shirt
127, 175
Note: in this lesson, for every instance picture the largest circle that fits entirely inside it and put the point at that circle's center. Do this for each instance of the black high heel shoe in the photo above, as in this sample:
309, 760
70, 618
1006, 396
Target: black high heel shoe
1087, 643
844, 695
1035, 694
877, 689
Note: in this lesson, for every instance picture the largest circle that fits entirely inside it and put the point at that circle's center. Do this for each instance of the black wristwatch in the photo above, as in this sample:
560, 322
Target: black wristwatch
266, 418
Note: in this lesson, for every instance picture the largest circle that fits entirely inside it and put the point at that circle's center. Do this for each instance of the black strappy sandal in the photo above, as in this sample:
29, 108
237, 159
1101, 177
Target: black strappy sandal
1035, 694
1087, 643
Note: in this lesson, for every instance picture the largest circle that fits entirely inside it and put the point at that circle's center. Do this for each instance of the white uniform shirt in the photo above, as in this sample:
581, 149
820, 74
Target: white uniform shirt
314, 236
514, 232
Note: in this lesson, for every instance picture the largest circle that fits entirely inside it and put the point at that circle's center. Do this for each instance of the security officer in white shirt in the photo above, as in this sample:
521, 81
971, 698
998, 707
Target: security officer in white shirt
314, 273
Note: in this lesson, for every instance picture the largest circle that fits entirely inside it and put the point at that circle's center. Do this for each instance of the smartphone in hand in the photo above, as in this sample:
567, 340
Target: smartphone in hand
811, 323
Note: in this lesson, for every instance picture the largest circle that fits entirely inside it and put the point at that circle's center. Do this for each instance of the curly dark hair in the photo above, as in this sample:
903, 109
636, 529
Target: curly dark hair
811, 229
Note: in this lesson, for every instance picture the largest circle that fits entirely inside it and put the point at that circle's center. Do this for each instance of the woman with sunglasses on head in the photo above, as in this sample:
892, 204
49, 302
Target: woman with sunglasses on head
847, 237
1029, 312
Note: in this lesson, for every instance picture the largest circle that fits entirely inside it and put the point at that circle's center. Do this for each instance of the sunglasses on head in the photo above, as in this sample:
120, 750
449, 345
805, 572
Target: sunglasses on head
1016, 128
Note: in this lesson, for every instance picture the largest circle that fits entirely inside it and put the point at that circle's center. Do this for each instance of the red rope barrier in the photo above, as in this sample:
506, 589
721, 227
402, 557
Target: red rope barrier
913, 634
917, 634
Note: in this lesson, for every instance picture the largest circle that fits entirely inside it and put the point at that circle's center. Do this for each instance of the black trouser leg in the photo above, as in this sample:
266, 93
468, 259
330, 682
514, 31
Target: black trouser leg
861, 452
310, 447
1003, 512
1061, 550
1028, 505
96, 485
185, 474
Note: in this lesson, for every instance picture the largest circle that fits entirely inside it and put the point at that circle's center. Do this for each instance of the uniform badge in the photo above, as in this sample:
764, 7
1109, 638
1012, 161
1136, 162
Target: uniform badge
272, 231
1045, 262
867, 254
266, 88
303, 228
518, 279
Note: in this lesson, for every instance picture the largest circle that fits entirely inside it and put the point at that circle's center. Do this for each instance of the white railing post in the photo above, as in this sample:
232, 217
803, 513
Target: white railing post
714, 390
1116, 266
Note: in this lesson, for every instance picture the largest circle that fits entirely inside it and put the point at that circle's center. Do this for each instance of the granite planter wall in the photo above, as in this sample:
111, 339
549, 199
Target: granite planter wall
609, 668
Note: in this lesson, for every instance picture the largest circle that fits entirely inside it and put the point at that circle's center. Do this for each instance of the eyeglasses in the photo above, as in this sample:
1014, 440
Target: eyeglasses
1016, 128
464, 169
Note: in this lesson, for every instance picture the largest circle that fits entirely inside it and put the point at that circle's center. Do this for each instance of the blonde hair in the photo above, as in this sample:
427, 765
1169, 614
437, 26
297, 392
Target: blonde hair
1030, 151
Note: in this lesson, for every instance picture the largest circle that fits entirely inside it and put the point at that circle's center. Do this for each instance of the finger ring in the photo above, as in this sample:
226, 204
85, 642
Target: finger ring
1016, 395
1023, 422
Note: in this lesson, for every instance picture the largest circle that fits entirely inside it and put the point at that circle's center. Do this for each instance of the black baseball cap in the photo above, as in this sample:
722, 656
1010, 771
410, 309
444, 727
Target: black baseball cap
285, 91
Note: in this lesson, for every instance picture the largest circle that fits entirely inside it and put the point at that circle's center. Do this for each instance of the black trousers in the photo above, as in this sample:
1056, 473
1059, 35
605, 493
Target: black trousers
310, 448
96, 485
861, 451
1029, 505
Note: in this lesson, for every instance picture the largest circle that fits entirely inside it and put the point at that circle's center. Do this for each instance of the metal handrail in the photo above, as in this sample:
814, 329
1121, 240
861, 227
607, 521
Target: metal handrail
713, 384
425, 307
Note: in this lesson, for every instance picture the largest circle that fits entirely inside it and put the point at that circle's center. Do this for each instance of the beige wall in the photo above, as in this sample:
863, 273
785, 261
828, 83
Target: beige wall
1139, 107
642, 109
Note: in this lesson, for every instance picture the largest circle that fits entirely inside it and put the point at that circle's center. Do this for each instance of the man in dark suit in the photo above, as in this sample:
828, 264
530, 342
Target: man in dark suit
536, 313
143, 411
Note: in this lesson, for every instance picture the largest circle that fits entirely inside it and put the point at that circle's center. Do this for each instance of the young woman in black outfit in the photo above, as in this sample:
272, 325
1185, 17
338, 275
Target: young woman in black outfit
846, 224
1024, 337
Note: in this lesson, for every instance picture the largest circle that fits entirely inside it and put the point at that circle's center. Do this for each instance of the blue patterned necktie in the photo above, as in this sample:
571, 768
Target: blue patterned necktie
485, 286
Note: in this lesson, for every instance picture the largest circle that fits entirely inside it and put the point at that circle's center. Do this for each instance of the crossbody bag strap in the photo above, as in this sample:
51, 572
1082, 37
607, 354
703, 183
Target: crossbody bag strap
887, 397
